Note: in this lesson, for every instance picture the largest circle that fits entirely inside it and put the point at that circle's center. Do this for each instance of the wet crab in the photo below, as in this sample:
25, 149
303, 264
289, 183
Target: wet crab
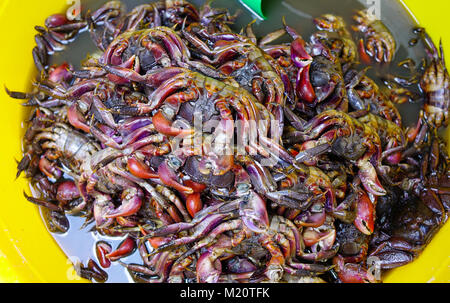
164, 138
377, 42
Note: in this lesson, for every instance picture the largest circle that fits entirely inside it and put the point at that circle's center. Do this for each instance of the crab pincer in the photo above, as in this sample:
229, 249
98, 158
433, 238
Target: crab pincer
351, 272
169, 178
131, 203
140, 169
102, 249
365, 214
302, 60
164, 126
125, 248
369, 178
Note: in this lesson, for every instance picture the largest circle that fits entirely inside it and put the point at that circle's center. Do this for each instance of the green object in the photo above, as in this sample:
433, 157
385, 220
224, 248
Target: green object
255, 6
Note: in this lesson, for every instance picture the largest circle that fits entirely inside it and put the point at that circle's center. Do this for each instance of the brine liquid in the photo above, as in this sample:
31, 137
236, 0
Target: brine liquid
79, 244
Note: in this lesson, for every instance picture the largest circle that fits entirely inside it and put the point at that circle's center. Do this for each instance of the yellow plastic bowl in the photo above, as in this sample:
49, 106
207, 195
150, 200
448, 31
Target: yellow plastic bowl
28, 252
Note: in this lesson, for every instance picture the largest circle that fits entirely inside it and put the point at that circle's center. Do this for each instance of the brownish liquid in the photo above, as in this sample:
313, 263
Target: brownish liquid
78, 244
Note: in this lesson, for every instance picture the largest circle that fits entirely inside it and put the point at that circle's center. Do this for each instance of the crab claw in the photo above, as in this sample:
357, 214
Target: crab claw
369, 178
124, 249
164, 126
302, 59
168, 177
49, 168
365, 57
76, 119
67, 191
194, 204
132, 63
131, 203
299, 55
209, 265
352, 273
304, 88
394, 158
102, 206
60, 73
310, 218
154, 79
56, 20
412, 133
140, 170
365, 213
254, 213
209, 268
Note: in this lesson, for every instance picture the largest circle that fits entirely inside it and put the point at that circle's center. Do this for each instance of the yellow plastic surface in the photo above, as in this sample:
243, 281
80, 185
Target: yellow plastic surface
28, 252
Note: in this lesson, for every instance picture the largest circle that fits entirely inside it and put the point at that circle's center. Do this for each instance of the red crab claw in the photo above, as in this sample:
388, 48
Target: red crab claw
132, 63
101, 250
299, 55
60, 73
156, 242
164, 126
369, 178
49, 168
140, 170
393, 152
301, 59
365, 213
125, 248
304, 88
76, 119
209, 265
309, 218
169, 178
412, 133
365, 57
196, 187
131, 203
194, 204
113, 54
394, 158
352, 273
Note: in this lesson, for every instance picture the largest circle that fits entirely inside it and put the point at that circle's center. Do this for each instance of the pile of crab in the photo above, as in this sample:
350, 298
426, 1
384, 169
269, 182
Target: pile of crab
227, 158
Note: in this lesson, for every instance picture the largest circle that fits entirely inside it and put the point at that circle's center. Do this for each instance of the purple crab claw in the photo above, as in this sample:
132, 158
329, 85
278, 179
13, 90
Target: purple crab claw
254, 213
209, 268
131, 203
